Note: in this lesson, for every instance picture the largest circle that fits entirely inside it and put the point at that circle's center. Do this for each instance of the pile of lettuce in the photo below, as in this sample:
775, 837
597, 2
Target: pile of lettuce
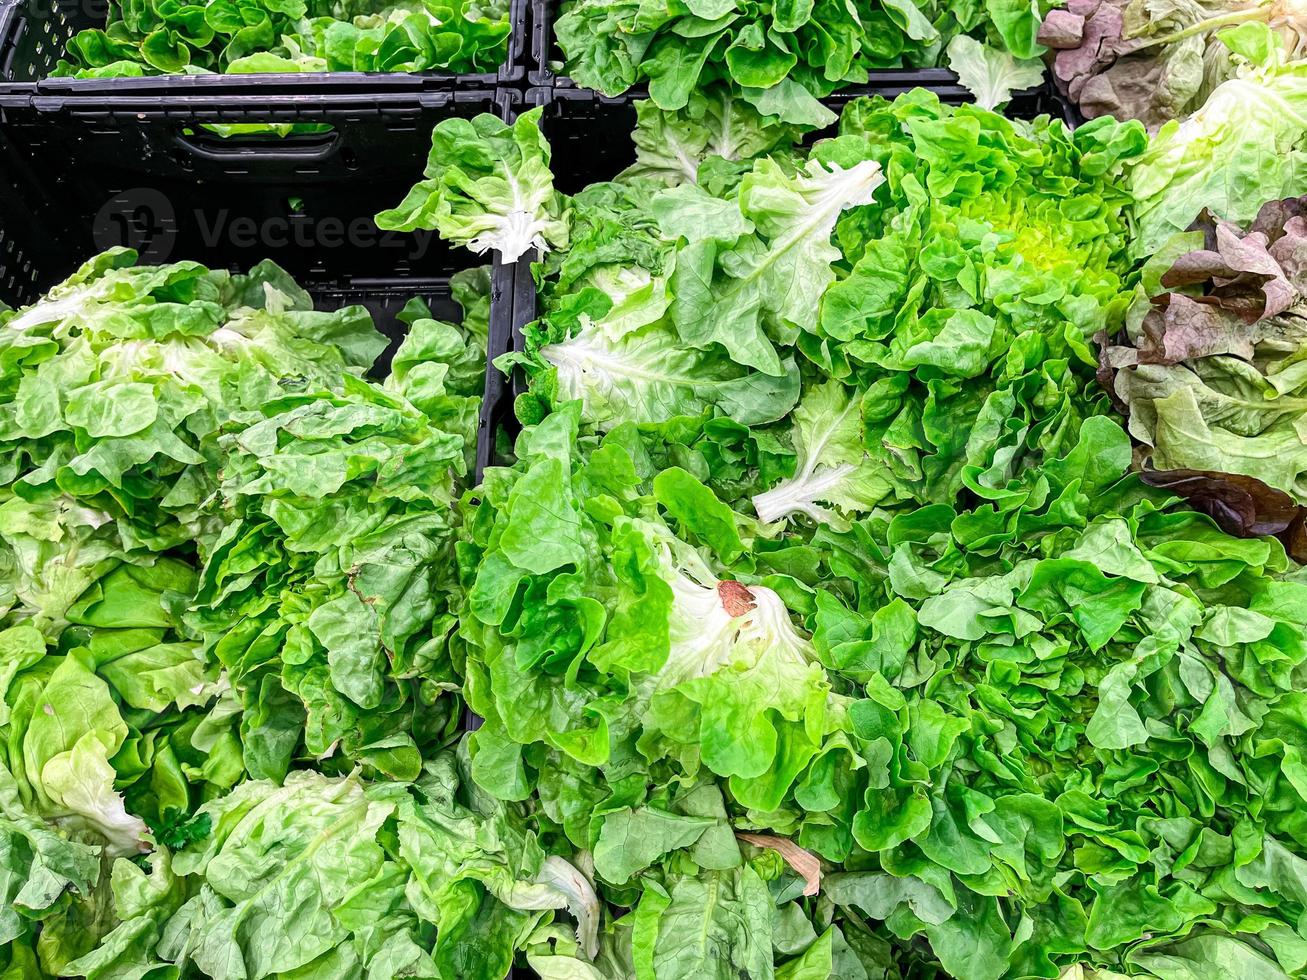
1157, 60
1209, 369
817, 617
160, 37
1056, 728
822, 620
227, 591
1243, 147
779, 58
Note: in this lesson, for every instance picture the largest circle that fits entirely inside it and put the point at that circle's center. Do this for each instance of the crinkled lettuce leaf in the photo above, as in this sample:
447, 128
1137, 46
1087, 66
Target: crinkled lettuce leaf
488, 186
1242, 148
1208, 368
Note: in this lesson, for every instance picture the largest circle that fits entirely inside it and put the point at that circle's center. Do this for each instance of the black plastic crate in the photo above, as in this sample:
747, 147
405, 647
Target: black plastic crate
79, 181
35, 33
30, 230
153, 168
541, 51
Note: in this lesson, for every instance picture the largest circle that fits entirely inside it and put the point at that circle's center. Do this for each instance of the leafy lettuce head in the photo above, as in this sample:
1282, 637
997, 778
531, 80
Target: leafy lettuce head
112, 382
605, 628
488, 187
1243, 147
424, 878
328, 593
967, 291
1207, 368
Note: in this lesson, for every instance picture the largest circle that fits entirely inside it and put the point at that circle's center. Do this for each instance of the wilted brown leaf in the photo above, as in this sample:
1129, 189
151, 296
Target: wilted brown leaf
803, 861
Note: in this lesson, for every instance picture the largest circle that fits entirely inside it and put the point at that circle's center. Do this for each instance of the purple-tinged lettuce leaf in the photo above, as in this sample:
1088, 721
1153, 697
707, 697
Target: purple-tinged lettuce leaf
1211, 372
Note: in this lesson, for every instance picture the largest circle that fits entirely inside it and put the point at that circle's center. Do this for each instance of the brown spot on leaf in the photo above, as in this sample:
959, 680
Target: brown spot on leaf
736, 598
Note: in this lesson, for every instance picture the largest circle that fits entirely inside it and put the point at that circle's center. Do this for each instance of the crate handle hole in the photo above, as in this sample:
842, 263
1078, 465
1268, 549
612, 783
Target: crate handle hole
243, 148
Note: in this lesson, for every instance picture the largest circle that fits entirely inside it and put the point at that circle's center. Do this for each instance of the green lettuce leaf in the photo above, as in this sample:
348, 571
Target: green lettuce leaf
1242, 148
487, 186
990, 75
